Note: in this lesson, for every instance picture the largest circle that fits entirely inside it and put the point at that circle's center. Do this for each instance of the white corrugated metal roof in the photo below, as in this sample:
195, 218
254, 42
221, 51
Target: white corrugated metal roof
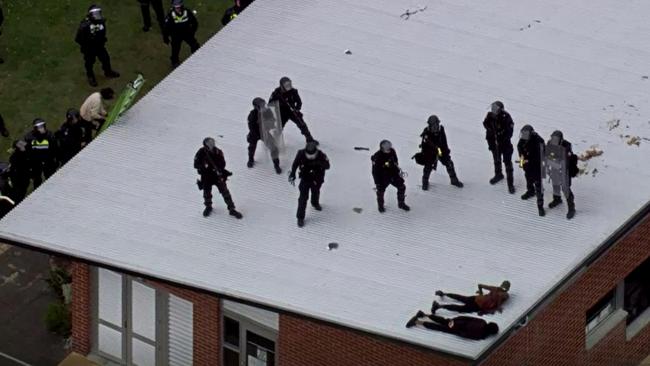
130, 200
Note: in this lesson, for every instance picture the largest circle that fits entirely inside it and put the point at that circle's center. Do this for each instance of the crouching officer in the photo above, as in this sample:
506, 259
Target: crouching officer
42, 150
434, 147
211, 166
180, 25
562, 165
385, 172
531, 159
312, 163
91, 37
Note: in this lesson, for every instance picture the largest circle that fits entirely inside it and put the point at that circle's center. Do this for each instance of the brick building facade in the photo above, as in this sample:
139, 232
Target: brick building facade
555, 335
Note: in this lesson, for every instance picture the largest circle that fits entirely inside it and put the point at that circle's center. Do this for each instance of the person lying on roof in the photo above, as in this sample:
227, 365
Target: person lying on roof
481, 303
463, 326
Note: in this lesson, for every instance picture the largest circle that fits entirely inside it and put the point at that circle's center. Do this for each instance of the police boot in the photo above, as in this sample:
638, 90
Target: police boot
301, 222
572, 207
425, 183
527, 195
498, 174
400, 201
557, 200
235, 213
540, 210
207, 211
276, 165
91, 80
380, 202
452, 175
251, 161
112, 74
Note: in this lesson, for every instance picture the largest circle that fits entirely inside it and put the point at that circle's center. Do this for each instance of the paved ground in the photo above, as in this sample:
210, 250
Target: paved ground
24, 297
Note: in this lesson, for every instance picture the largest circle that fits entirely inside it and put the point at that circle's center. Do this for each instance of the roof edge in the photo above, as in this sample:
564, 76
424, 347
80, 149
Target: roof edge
567, 280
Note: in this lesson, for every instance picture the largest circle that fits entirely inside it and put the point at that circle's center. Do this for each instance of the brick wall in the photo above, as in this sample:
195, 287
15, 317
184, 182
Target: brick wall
207, 323
81, 308
207, 328
306, 342
556, 336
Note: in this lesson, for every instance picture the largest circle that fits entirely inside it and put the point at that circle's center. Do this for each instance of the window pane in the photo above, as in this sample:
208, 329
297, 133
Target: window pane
637, 291
259, 350
231, 330
110, 296
600, 311
144, 354
110, 341
144, 310
230, 357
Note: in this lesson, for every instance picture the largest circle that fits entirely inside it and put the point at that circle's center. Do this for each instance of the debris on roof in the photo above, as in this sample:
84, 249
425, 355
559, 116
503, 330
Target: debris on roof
590, 153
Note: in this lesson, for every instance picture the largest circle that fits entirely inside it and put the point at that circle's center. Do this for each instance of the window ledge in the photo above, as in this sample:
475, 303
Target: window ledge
604, 328
637, 325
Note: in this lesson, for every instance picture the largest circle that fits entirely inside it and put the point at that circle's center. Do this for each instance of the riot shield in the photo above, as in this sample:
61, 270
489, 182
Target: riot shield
556, 164
271, 129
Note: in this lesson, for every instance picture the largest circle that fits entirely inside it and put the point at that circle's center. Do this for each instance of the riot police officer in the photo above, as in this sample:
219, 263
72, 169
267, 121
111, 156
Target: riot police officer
19, 170
435, 148
42, 149
562, 165
312, 163
290, 105
210, 163
91, 37
531, 159
499, 128
180, 25
385, 172
70, 136
262, 125
146, 13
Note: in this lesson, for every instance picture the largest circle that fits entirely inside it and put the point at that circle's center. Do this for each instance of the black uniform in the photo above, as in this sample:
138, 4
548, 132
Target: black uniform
435, 148
43, 154
180, 28
385, 172
531, 155
230, 14
253, 133
91, 37
563, 185
19, 174
146, 14
290, 105
498, 132
69, 138
3, 127
211, 165
312, 176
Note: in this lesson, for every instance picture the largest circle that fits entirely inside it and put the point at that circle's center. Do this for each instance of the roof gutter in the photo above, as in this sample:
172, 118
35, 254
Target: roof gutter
567, 280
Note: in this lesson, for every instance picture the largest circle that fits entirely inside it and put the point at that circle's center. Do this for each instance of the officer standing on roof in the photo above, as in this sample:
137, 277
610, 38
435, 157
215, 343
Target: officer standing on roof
562, 165
180, 25
91, 36
146, 13
262, 126
210, 163
498, 132
42, 152
290, 105
531, 159
312, 164
434, 148
385, 172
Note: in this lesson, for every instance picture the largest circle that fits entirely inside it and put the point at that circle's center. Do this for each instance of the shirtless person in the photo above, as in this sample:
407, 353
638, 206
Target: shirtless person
481, 303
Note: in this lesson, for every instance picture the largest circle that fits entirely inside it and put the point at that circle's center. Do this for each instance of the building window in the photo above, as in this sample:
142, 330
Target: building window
249, 335
600, 311
637, 291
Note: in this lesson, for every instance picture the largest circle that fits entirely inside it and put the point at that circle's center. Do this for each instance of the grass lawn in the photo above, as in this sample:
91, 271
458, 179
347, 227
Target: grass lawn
43, 73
